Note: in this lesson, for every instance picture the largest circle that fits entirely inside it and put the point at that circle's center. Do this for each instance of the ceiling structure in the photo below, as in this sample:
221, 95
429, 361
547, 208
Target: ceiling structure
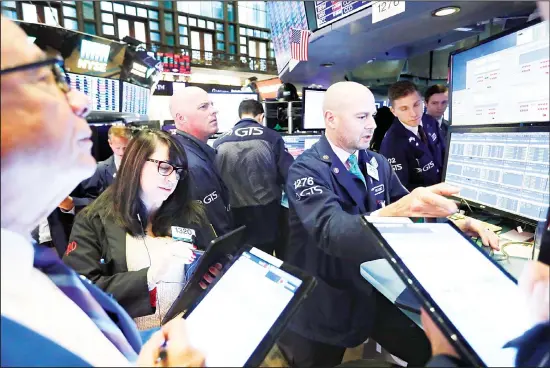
377, 53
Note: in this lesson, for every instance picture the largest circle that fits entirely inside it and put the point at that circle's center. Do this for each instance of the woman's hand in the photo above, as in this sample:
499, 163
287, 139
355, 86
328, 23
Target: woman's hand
179, 253
179, 352
213, 272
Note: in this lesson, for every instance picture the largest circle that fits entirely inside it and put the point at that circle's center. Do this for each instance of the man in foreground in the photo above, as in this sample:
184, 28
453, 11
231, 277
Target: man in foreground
50, 316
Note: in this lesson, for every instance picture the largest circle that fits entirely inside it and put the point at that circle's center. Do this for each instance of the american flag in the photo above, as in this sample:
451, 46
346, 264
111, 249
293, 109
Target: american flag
299, 39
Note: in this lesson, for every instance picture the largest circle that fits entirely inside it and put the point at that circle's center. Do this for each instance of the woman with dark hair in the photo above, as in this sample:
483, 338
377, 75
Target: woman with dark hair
125, 241
383, 118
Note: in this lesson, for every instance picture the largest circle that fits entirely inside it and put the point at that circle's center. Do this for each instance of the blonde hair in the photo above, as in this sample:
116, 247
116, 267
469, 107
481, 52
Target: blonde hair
119, 131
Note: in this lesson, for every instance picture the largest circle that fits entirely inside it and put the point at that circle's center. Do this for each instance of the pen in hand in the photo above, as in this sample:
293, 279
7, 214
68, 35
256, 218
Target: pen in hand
162, 354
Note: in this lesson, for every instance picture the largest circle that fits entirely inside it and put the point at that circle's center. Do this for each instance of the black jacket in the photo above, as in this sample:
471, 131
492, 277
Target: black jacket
99, 238
103, 177
207, 185
253, 162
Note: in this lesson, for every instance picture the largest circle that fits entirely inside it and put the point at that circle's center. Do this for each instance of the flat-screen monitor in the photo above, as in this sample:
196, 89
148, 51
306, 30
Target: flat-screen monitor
502, 80
297, 144
227, 104
502, 169
284, 15
135, 99
312, 116
103, 93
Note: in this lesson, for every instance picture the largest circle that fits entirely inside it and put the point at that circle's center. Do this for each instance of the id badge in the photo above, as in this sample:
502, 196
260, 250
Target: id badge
183, 234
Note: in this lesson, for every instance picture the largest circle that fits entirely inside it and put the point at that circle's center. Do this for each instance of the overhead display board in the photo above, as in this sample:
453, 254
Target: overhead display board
284, 15
327, 12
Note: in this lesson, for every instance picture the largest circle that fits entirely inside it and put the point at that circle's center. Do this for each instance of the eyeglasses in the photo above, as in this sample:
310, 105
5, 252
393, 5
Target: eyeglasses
165, 169
58, 70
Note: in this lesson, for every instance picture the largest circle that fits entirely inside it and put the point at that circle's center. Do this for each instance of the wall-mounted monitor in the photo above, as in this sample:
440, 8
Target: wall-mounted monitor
227, 104
103, 93
312, 115
502, 169
503, 79
327, 12
135, 99
298, 143
284, 15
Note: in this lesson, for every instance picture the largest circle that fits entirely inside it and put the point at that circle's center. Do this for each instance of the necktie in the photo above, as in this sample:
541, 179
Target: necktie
422, 134
354, 168
47, 260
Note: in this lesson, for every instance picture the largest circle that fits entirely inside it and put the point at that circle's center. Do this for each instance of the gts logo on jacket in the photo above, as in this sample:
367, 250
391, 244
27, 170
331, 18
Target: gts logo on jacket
428, 166
210, 198
394, 165
246, 132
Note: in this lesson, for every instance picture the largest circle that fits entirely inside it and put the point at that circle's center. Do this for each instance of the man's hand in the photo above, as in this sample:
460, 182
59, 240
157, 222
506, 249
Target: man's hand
438, 341
178, 349
473, 227
424, 202
534, 284
67, 204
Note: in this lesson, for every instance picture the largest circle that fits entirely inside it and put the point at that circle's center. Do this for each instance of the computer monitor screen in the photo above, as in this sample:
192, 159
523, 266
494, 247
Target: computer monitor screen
312, 118
296, 144
103, 93
502, 81
135, 99
506, 171
227, 105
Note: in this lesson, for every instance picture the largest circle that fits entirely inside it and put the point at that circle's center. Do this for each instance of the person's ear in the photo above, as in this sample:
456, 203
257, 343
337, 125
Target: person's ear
392, 110
330, 119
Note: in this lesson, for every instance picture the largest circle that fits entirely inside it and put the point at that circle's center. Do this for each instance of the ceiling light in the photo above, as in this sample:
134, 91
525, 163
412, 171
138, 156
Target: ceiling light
327, 65
463, 29
448, 10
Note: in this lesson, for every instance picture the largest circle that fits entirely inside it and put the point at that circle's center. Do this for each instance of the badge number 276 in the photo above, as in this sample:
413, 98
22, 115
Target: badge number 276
303, 182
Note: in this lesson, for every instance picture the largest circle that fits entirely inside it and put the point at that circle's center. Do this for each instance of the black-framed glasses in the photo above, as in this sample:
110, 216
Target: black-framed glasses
58, 70
165, 168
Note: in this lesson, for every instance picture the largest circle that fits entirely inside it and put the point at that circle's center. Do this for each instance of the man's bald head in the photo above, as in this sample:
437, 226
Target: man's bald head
348, 109
194, 113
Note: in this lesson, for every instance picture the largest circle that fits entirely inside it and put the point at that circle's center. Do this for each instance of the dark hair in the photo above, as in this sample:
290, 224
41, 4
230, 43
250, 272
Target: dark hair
383, 119
401, 89
432, 90
121, 200
250, 107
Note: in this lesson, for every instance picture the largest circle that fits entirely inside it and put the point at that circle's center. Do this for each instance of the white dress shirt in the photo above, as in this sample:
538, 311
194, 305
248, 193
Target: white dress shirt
342, 154
414, 130
118, 160
31, 299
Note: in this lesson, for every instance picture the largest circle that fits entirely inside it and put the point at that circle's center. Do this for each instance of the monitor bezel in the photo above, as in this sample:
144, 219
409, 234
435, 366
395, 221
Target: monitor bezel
477, 44
491, 128
304, 107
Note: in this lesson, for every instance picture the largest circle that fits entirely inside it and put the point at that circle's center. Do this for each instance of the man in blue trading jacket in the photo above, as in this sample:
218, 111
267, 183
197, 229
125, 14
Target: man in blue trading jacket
329, 186
437, 100
196, 121
118, 139
256, 187
413, 144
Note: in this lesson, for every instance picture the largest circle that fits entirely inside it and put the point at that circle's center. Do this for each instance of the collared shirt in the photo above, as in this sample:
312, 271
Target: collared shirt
342, 154
440, 121
118, 160
414, 130
30, 298
44, 234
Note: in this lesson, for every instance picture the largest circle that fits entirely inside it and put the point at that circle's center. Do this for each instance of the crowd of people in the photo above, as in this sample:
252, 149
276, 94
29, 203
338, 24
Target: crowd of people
83, 299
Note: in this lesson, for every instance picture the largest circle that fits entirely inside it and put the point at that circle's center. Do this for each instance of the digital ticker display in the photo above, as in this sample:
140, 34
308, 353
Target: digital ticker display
103, 93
